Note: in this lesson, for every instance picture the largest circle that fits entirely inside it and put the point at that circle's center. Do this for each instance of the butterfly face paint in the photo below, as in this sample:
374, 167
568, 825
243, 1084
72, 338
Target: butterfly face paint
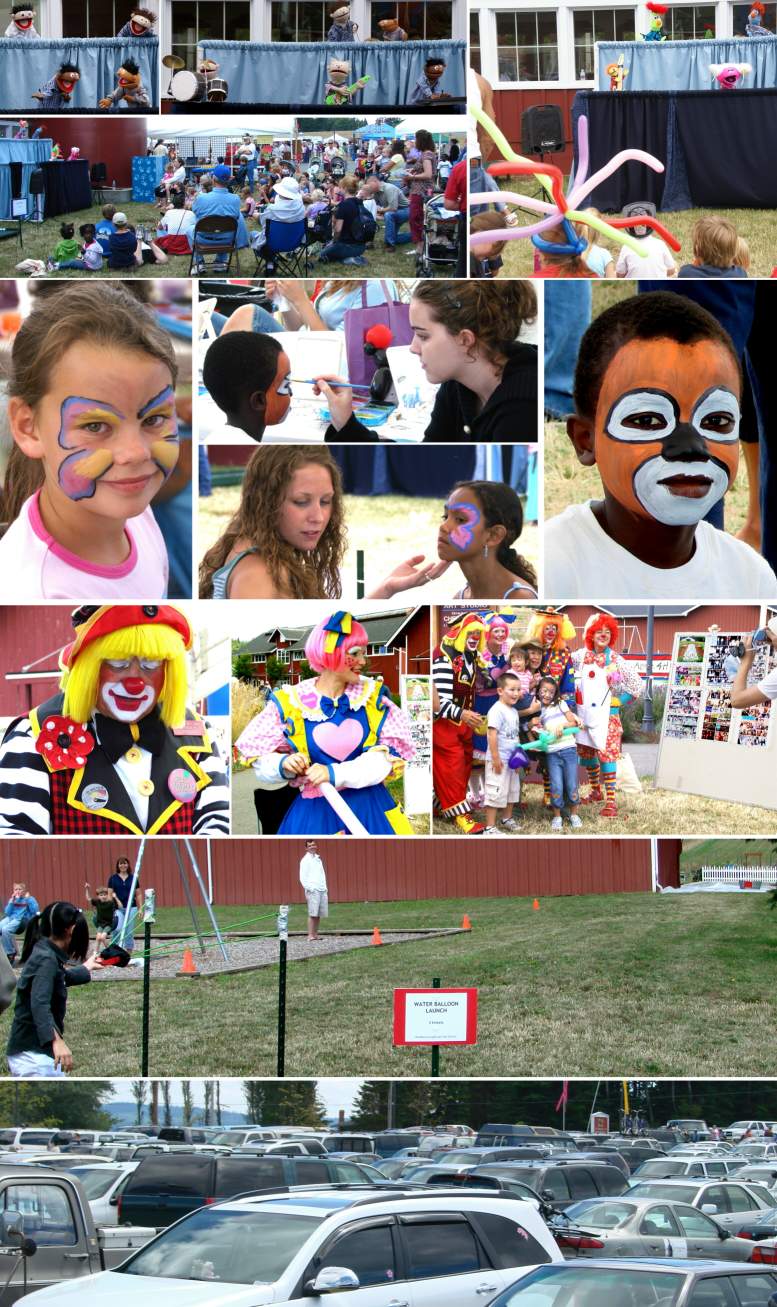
458, 527
90, 428
278, 397
667, 428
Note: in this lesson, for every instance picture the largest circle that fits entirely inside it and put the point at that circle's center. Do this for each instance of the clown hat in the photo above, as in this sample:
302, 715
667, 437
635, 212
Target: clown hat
541, 617
92, 623
459, 633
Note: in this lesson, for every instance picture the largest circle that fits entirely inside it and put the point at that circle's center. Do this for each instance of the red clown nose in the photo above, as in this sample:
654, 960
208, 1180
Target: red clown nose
134, 685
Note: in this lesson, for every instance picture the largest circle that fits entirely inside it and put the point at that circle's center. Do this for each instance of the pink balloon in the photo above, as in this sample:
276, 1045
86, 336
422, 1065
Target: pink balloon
638, 156
526, 201
582, 150
514, 233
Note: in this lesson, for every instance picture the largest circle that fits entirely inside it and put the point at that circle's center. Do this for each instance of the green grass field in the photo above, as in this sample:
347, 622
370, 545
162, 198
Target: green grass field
626, 983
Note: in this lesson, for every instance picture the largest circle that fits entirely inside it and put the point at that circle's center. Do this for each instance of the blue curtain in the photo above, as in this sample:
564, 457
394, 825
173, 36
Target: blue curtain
146, 176
264, 72
684, 65
29, 154
26, 65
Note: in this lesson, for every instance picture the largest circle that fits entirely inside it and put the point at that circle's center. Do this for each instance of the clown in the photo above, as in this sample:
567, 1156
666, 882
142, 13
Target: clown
129, 88
141, 23
117, 750
22, 24
335, 90
656, 32
339, 729
57, 92
605, 683
456, 665
552, 630
342, 29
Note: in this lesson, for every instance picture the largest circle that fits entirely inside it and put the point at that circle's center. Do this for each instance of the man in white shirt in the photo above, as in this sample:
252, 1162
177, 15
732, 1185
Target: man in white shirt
312, 878
744, 695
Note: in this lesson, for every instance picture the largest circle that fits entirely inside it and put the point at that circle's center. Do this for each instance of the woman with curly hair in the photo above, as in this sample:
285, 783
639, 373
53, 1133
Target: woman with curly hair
287, 538
466, 336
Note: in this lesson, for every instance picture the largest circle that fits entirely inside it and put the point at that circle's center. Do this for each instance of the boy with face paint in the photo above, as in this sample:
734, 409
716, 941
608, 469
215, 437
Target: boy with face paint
249, 376
117, 749
22, 24
657, 394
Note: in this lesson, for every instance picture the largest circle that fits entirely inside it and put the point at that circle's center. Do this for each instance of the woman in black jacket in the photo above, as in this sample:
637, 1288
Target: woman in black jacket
466, 336
57, 936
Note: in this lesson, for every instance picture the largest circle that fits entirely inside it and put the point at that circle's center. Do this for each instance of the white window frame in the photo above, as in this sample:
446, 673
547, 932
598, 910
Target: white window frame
258, 9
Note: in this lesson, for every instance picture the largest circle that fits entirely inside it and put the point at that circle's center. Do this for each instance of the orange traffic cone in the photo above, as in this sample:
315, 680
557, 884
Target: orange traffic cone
466, 924
187, 966
536, 905
376, 939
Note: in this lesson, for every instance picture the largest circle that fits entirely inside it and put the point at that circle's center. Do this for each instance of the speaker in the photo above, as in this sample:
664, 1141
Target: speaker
542, 129
37, 182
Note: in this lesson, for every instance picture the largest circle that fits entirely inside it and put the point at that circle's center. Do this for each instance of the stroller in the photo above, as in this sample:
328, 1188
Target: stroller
441, 237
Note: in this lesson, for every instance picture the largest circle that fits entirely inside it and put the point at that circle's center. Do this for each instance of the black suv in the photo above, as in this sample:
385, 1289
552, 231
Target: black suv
558, 1181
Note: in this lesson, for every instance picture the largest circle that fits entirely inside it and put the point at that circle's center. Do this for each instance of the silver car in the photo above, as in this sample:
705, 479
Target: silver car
625, 1227
725, 1200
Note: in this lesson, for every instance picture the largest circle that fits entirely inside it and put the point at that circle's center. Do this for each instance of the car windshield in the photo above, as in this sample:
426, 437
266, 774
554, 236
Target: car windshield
602, 1216
96, 1180
658, 1167
594, 1286
681, 1193
248, 1247
229, 1137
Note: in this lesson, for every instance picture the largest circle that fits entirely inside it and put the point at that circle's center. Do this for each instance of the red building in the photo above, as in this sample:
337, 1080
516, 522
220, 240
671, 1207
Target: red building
398, 645
376, 870
30, 641
510, 105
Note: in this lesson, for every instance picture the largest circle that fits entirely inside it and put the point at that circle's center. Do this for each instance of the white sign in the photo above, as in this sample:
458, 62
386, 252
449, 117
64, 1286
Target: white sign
436, 1018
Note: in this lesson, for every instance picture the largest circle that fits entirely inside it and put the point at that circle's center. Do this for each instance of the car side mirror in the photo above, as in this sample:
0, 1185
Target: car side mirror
12, 1228
709, 1208
724, 1234
333, 1279
114, 1201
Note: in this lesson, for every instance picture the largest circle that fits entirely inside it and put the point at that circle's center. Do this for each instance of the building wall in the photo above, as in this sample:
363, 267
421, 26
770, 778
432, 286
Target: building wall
112, 141
26, 635
267, 871
509, 106
729, 617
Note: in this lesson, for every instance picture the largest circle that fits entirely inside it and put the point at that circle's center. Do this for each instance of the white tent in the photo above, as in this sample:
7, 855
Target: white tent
178, 127
438, 125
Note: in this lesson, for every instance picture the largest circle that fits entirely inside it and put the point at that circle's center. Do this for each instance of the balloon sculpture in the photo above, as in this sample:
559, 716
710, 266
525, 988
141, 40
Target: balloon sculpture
561, 209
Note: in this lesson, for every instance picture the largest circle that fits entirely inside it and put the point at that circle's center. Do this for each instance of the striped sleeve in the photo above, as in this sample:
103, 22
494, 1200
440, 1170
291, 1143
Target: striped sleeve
25, 798
442, 675
211, 807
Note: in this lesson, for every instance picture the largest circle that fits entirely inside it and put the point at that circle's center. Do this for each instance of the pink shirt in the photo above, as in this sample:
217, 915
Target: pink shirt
34, 567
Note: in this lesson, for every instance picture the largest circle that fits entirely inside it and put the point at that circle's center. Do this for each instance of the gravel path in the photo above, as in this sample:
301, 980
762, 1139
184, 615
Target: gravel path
245, 954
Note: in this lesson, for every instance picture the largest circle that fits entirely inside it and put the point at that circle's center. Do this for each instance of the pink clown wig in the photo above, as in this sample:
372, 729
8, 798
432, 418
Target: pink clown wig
329, 642
598, 622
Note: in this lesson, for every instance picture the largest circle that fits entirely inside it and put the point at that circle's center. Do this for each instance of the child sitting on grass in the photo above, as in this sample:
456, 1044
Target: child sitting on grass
90, 257
598, 257
486, 260
657, 397
105, 228
716, 244
67, 247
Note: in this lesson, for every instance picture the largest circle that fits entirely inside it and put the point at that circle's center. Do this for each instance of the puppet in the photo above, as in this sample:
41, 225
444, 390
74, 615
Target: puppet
391, 31
74, 155
22, 24
605, 683
342, 29
425, 88
23, 130
339, 729
335, 90
141, 23
728, 76
754, 26
129, 88
117, 749
56, 153
656, 32
456, 664
617, 74
57, 92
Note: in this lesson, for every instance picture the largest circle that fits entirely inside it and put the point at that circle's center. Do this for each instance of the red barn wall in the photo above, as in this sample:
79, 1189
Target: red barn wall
112, 141
26, 635
267, 871
729, 617
509, 106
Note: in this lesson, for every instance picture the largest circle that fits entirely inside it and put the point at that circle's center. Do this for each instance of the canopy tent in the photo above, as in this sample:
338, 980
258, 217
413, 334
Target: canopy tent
182, 127
375, 132
440, 128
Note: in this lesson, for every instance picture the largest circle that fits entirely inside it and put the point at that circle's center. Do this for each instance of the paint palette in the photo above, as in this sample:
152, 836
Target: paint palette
370, 415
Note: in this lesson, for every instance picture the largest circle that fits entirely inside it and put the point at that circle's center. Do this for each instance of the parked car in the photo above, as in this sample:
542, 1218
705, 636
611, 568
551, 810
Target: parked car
245, 1135
182, 1134
32, 1139
726, 1200
669, 1168
476, 1156
691, 1127
739, 1129
162, 1189
102, 1186
605, 1155
450, 1248
496, 1135
560, 1181
763, 1173
755, 1152
388, 1143
395, 1168
620, 1283
645, 1227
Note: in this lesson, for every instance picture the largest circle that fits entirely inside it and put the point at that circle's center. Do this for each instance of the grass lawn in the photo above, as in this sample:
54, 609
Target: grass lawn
628, 983
756, 226
41, 238
388, 528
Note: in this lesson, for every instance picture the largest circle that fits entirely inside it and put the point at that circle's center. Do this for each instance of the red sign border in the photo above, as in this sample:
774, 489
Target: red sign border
399, 1017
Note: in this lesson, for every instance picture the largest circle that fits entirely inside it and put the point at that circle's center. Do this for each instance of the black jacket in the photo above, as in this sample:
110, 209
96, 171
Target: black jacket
41, 998
510, 415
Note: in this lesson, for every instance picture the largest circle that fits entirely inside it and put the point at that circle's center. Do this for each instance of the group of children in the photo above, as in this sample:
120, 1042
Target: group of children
718, 251
112, 238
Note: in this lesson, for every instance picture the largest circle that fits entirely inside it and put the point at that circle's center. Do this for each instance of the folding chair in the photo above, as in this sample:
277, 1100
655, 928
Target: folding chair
285, 249
222, 239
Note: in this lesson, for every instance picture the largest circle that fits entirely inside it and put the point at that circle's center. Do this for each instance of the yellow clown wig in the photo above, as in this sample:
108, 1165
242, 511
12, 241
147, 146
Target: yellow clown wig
544, 617
458, 635
80, 681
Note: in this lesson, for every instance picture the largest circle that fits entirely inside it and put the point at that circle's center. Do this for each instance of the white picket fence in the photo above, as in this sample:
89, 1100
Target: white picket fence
733, 875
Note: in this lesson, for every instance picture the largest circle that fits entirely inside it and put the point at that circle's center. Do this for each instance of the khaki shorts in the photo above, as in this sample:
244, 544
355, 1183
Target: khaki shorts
318, 902
503, 789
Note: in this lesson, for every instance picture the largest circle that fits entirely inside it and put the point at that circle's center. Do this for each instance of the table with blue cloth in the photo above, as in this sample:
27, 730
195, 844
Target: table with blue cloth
25, 66
685, 65
718, 150
67, 187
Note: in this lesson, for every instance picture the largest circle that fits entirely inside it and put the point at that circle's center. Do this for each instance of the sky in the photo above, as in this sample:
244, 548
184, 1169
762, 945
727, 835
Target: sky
262, 617
336, 1093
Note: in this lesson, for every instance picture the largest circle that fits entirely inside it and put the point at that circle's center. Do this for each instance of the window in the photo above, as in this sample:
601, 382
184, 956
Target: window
555, 1183
692, 22
368, 1252
300, 20
439, 1247
427, 20
207, 20
93, 17
659, 1221
46, 1213
592, 25
715, 1292
284, 655
581, 1183
508, 1242
527, 46
695, 1225
474, 40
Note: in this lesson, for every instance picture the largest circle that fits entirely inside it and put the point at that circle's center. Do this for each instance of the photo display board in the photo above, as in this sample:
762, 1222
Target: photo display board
416, 695
707, 747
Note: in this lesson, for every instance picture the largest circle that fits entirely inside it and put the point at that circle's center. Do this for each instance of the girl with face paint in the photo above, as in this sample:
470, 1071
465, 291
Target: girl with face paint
481, 520
91, 407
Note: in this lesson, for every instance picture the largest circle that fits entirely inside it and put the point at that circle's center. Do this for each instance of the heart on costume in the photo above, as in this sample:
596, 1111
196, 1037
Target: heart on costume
309, 699
338, 742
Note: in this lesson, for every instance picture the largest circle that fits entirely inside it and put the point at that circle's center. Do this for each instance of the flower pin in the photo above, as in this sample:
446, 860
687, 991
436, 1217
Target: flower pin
64, 743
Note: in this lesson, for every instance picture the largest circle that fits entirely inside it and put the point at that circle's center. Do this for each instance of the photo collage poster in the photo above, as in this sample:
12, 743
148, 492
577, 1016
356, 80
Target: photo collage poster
699, 691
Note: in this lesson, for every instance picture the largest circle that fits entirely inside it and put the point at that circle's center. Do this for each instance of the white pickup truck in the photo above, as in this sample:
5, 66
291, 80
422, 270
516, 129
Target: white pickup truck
47, 1235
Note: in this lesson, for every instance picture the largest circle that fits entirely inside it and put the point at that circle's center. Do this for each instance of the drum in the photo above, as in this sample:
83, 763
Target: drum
188, 87
218, 90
